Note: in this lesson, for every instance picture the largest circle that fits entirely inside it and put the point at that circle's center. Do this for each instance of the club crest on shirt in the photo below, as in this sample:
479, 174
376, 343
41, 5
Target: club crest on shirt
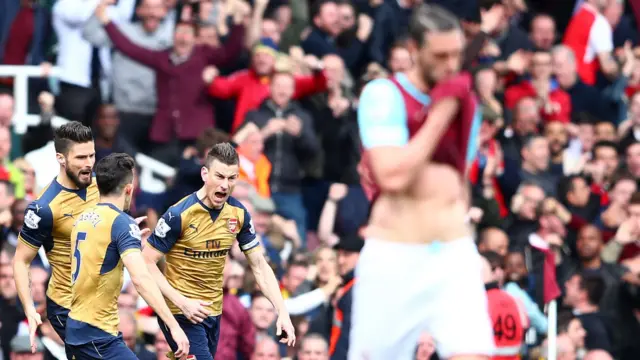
31, 219
232, 224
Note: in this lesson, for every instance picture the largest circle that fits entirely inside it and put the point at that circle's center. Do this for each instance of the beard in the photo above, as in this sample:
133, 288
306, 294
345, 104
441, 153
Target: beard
76, 179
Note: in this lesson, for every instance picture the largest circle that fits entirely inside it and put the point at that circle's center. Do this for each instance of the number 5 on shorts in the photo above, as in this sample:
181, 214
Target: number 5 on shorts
76, 255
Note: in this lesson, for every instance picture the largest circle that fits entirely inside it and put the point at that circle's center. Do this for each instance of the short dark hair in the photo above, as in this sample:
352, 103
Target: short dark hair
494, 259
316, 7
69, 134
114, 172
223, 152
594, 286
431, 18
564, 320
604, 144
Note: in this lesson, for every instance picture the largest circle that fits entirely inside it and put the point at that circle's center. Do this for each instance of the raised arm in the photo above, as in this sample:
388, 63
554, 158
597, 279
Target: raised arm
395, 160
74, 12
95, 33
231, 49
311, 84
36, 232
150, 58
227, 87
164, 237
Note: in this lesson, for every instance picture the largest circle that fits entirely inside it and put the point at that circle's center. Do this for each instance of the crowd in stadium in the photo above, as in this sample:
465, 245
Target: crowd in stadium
558, 159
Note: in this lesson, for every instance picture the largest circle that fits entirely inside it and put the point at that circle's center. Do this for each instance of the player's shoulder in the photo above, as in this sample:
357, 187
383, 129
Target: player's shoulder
123, 223
49, 194
236, 203
380, 88
180, 208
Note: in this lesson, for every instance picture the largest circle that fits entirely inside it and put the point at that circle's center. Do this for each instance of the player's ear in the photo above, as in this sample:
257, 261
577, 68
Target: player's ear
204, 172
60, 159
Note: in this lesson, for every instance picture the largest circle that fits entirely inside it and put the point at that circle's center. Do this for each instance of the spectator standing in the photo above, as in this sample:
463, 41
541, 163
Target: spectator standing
134, 84
82, 66
590, 36
183, 108
289, 142
251, 87
583, 294
348, 248
106, 140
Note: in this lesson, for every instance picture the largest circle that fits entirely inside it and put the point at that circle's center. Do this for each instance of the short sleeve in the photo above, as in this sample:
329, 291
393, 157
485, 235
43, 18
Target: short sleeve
458, 87
126, 235
247, 235
167, 231
382, 115
38, 225
601, 36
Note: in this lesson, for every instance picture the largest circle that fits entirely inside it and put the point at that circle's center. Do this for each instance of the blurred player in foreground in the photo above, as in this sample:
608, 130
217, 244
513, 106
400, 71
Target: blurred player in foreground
195, 235
105, 240
48, 222
419, 269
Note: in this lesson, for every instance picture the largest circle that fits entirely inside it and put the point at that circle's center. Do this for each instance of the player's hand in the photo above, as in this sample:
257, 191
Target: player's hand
34, 321
284, 324
195, 310
140, 219
181, 340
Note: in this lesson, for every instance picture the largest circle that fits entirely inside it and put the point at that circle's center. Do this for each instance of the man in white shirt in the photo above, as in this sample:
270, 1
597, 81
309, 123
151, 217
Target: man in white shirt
82, 66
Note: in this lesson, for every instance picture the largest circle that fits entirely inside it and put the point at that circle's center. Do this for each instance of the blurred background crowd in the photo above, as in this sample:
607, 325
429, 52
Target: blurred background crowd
558, 161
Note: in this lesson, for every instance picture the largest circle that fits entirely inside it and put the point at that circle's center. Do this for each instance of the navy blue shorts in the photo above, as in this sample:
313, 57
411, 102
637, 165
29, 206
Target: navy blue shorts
113, 348
57, 316
203, 337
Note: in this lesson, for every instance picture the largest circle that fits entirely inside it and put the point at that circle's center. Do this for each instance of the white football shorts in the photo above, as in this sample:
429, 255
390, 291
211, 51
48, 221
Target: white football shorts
403, 290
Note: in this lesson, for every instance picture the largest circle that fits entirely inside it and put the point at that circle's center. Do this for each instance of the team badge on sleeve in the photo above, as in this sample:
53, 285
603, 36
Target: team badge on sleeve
162, 228
232, 224
252, 229
31, 219
134, 231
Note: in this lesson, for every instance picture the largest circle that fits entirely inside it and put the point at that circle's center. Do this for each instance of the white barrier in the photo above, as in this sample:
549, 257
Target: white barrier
152, 171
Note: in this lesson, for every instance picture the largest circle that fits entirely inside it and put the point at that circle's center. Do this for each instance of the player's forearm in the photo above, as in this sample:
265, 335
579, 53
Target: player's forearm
22, 277
411, 158
151, 293
269, 285
165, 288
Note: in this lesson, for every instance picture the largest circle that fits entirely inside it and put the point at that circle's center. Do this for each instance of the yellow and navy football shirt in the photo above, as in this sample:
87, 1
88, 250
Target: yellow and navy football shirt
196, 240
101, 237
48, 222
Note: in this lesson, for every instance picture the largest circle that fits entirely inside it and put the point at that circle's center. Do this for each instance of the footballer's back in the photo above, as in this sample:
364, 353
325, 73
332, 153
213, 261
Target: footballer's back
102, 235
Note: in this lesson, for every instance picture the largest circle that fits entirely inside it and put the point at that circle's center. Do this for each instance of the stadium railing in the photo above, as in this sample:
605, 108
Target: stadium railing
153, 173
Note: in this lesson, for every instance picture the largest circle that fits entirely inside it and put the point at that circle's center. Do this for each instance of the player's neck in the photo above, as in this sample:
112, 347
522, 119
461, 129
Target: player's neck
202, 196
64, 180
117, 201
416, 79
